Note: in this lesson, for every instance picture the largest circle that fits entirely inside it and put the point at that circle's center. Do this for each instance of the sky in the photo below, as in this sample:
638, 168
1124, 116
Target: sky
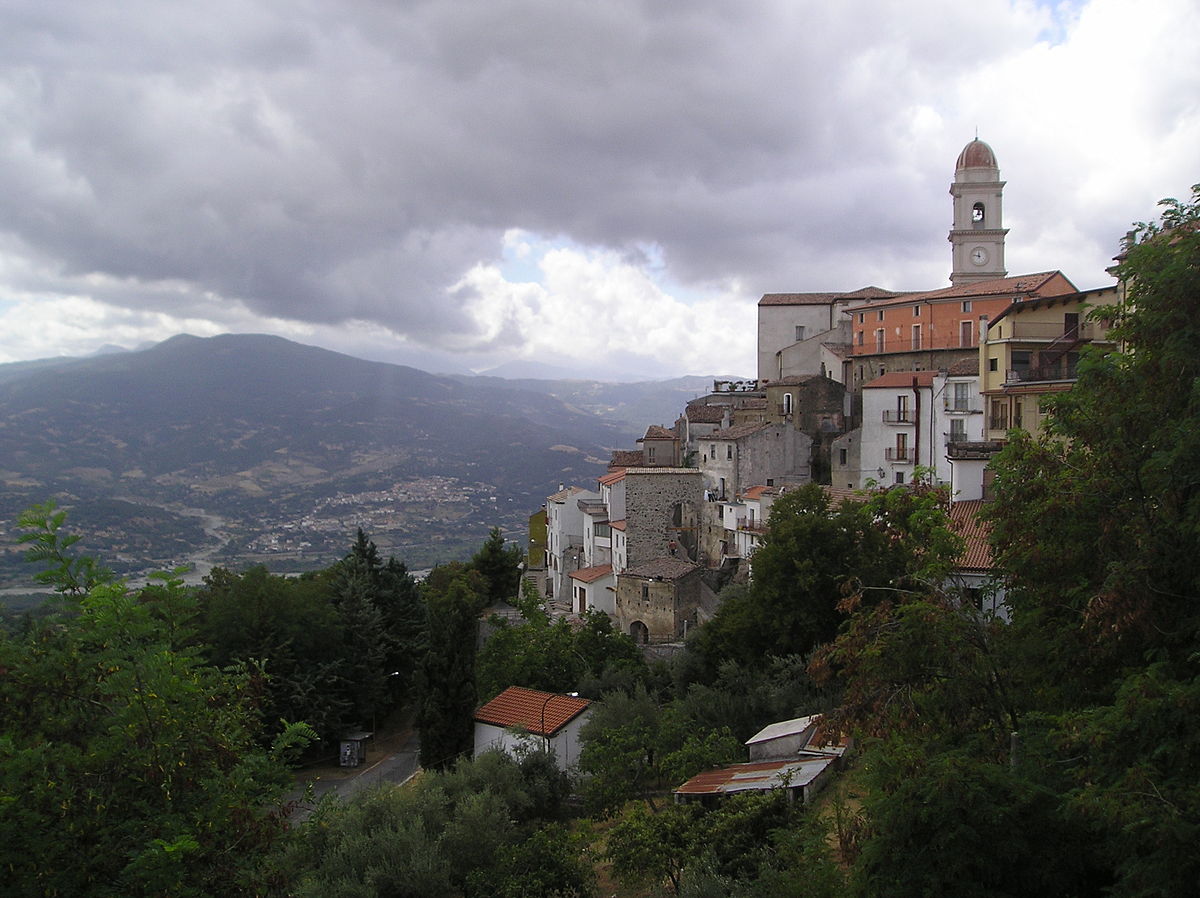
606, 187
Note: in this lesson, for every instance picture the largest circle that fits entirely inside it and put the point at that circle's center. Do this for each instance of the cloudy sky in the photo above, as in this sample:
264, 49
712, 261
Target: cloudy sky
607, 186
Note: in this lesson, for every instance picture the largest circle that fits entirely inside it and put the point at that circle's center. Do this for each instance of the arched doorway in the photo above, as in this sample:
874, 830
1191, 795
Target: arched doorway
639, 632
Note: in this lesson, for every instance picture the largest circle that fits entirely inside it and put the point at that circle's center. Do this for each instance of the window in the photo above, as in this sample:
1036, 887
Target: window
880, 314
993, 364
1017, 417
645, 592
901, 446
899, 476
958, 430
916, 336
799, 332
916, 311
999, 417
902, 407
712, 451
879, 340
729, 451
861, 317
859, 335
650, 454
966, 333
966, 306
977, 215
787, 403
842, 457
962, 397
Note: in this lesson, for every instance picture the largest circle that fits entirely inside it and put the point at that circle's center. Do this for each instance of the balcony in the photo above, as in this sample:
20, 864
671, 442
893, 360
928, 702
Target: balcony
967, 450
900, 456
897, 416
1054, 331
956, 407
753, 526
1063, 369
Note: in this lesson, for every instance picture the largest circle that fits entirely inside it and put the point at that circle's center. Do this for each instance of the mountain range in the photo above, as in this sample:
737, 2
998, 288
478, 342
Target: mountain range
244, 448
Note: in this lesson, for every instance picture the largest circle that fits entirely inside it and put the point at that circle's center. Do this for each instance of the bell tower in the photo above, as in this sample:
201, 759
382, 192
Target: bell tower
977, 235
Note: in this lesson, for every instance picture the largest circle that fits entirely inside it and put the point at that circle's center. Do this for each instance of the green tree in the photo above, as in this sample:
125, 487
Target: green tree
1105, 583
815, 555
290, 627
446, 679
127, 765
500, 568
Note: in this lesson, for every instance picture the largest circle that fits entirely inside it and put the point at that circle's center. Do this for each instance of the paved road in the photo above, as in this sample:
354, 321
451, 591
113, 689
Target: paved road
397, 767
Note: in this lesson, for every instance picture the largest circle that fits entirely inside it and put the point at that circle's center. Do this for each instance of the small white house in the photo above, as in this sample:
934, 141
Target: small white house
526, 718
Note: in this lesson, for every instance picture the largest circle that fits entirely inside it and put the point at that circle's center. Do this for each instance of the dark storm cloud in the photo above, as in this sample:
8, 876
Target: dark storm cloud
329, 161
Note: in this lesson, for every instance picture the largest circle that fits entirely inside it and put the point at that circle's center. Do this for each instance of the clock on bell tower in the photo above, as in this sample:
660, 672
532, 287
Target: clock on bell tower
977, 235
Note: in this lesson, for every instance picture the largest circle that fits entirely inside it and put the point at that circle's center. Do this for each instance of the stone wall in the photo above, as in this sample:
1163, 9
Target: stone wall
651, 524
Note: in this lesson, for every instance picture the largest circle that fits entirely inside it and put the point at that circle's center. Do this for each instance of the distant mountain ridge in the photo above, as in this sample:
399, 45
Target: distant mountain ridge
264, 434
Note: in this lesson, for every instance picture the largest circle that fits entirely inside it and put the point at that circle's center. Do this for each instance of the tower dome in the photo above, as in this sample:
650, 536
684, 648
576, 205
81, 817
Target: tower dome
976, 154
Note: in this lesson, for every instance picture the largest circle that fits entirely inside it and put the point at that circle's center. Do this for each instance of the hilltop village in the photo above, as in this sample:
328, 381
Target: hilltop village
872, 387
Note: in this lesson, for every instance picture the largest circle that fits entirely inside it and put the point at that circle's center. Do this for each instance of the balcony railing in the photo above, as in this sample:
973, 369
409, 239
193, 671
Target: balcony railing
897, 416
903, 456
1064, 369
973, 449
956, 407
754, 526
998, 422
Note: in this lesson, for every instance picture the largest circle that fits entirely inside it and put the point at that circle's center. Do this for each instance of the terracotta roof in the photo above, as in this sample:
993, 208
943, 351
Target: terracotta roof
841, 350
529, 709
977, 553
898, 379
591, 574
822, 299
837, 495
658, 432
756, 776
965, 368
666, 567
564, 495
1009, 286
626, 458
706, 414
736, 432
617, 525
1041, 302
613, 477
751, 404
757, 492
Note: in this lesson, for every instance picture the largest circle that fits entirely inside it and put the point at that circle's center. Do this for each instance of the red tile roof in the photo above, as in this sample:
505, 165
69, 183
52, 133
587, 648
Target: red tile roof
736, 432
821, 299
591, 574
565, 494
626, 458
542, 713
658, 432
1009, 286
666, 567
617, 525
706, 414
613, 477
966, 518
899, 379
